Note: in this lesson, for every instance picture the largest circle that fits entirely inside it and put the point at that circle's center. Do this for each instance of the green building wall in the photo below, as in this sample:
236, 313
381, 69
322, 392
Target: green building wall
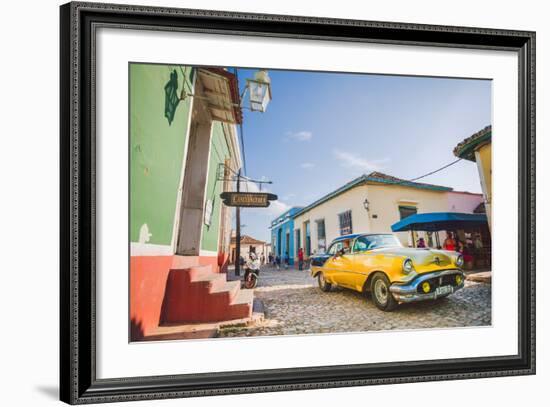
219, 152
156, 150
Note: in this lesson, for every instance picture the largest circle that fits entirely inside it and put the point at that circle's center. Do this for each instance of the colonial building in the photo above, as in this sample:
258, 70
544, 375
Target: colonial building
477, 148
372, 203
248, 245
183, 144
282, 235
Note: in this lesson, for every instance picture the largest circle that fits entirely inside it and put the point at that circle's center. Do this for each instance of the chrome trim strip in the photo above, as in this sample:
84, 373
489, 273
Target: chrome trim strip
400, 290
422, 297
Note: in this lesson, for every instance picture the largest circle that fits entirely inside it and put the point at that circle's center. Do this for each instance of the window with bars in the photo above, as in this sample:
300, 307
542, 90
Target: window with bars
345, 223
406, 211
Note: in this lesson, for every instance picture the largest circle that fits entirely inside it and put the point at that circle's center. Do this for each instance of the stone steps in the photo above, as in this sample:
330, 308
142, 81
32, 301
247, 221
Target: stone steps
196, 294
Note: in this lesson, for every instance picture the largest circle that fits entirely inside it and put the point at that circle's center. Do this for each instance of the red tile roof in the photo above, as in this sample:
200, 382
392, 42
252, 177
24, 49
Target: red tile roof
245, 239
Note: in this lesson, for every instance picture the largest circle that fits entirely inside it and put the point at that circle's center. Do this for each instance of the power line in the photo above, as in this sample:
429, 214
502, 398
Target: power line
433, 172
405, 181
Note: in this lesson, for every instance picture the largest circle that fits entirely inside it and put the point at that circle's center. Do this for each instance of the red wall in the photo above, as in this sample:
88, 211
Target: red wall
148, 285
148, 275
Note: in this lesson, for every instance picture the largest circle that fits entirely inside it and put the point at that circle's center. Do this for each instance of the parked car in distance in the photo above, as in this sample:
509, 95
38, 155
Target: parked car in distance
393, 274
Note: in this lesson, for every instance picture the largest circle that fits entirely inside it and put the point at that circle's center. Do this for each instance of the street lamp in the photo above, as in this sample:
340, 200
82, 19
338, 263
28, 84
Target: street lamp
366, 204
260, 91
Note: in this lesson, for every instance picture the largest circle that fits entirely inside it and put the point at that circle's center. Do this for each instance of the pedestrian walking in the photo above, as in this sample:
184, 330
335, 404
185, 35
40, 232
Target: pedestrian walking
300, 259
287, 260
277, 262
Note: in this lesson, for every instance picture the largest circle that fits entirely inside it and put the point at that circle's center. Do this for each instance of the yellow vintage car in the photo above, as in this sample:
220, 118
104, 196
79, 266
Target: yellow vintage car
393, 274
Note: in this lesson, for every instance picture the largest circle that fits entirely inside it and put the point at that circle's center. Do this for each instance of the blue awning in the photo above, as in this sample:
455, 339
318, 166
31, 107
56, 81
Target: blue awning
432, 222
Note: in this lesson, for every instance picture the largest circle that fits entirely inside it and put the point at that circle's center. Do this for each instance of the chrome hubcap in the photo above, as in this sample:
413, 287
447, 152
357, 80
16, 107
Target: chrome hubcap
381, 292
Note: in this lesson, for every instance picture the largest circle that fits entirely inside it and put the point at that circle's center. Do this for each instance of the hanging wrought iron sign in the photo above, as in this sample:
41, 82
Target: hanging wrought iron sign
248, 199
171, 99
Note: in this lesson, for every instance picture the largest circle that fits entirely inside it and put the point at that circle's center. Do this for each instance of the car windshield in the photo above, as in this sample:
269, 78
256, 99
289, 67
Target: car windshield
340, 247
370, 242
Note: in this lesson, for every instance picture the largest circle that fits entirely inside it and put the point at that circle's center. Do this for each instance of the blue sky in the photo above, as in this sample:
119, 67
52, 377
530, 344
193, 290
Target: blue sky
321, 130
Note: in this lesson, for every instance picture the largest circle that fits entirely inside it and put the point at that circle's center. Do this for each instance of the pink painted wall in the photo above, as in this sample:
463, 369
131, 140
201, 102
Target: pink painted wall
463, 202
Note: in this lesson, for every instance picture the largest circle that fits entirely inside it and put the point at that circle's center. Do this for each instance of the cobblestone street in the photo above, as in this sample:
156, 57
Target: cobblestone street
293, 304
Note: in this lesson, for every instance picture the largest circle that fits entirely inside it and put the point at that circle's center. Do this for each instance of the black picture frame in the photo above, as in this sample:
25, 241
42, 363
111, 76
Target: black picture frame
78, 382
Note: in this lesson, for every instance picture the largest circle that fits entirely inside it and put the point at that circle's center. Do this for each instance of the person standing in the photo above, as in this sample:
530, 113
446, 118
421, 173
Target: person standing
450, 243
300, 259
478, 250
277, 262
478, 244
421, 243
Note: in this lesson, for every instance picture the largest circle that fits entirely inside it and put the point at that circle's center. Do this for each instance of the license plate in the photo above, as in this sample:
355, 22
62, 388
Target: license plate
446, 289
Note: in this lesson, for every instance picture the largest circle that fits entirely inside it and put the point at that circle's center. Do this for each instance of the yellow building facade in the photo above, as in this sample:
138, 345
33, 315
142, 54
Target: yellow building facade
477, 148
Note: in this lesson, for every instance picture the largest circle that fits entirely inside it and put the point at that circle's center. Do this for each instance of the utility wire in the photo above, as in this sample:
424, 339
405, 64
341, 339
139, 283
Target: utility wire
405, 181
433, 172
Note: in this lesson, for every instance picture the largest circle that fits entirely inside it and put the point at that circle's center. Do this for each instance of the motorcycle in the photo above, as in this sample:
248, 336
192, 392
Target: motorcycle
251, 272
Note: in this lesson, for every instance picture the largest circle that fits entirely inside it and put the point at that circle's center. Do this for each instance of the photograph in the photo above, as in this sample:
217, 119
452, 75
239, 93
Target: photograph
257, 202
266, 202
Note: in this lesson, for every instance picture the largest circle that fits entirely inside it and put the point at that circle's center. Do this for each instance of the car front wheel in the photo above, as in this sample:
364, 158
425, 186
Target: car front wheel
323, 284
381, 295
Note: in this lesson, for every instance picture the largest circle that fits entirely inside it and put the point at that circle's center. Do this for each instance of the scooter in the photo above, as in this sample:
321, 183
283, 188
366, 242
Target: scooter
251, 272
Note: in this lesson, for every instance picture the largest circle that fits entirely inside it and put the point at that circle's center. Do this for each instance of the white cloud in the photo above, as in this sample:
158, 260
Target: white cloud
354, 161
274, 209
307, 166
303, 135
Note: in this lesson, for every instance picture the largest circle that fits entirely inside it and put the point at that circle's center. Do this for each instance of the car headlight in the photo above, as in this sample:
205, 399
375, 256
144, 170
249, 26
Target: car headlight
407, 266
459, 260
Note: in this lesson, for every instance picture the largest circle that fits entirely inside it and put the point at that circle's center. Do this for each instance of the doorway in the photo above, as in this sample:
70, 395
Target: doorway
194, 181
279, 242
287, 244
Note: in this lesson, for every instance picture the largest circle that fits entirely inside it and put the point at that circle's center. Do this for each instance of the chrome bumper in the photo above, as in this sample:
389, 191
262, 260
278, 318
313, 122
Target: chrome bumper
409, 292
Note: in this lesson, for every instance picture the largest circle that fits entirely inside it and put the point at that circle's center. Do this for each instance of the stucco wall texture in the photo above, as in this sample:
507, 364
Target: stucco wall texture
156, 151
384, 202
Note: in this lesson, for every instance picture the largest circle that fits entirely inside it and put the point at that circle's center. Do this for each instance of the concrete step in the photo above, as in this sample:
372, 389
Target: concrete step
207, 278
175, 332
183, 262
242, 304
244, 297
200, 272
202, 330
231, 287
481, 277
197, 294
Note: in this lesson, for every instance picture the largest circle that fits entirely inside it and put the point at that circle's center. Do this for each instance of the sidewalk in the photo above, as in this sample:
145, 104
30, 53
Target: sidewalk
480, 277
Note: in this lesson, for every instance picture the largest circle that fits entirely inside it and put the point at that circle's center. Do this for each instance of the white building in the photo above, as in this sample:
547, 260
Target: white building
371, 204
249, 245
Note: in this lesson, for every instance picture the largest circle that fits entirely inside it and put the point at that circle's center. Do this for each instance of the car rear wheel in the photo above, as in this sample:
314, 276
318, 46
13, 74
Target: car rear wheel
381, 295
323, 284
